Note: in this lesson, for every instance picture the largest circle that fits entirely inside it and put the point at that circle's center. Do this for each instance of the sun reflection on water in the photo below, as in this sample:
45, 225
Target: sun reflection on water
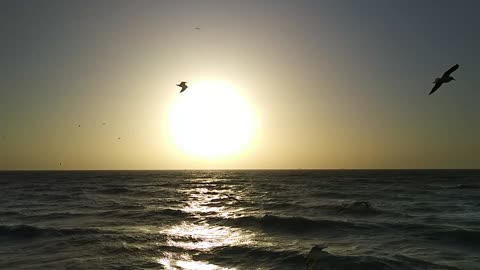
171, 262
206, 236
204, 200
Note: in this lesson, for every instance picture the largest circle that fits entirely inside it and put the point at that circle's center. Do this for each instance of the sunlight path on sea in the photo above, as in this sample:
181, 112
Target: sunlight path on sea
204, 199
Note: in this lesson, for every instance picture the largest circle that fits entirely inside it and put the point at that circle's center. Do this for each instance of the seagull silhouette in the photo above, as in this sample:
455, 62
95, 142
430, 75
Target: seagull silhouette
183, 85
444, 79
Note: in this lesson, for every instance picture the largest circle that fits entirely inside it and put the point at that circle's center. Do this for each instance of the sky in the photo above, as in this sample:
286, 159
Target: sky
332, 84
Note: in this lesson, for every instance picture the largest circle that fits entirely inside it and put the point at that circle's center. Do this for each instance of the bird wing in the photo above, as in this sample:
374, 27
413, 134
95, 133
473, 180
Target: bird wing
452, 69
435, 87
183, 88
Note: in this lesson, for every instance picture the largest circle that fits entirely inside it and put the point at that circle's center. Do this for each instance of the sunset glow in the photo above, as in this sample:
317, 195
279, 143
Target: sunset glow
211, 120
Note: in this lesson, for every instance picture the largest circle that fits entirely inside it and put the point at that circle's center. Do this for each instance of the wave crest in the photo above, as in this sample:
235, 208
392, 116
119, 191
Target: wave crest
295, 224
457, 236
319, 259
27, 231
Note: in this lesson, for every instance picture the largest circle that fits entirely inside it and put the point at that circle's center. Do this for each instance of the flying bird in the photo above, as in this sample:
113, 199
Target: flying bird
183, 85
444, 79
197, 28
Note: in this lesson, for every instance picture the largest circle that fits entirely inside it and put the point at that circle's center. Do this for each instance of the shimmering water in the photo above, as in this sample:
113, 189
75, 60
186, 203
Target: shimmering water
239, 219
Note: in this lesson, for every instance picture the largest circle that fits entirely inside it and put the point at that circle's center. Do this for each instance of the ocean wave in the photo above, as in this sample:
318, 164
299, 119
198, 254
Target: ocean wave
295, 224
330, 194
56, 215
169, 212
409, 227
357, 208
463, 237
148, 214
335, 209
464, 186
291, 259
10, 213
282, 205
264, 257
319, 259
59, 197
114, 190
28, 231
145, 249
130, 206
154, 192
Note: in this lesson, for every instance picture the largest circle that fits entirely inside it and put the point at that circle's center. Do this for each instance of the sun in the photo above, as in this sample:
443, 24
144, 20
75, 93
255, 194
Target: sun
211, 120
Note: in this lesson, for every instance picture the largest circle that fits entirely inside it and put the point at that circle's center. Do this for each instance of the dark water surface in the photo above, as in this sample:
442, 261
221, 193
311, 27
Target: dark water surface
239, 219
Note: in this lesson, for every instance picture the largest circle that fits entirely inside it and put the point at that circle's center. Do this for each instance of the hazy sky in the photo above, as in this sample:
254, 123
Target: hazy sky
333, 84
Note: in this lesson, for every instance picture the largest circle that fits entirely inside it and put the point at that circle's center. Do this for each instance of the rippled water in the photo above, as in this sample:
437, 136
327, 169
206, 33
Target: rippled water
239, 219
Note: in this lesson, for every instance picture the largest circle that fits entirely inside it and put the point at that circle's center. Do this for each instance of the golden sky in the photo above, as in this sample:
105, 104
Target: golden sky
328, 85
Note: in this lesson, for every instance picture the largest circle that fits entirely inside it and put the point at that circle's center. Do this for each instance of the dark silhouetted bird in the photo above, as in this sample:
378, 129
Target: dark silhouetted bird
183, 85
444, 79
197, 28
316, 256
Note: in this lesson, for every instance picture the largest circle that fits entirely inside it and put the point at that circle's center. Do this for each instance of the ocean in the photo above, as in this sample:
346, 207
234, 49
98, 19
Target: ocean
271, 219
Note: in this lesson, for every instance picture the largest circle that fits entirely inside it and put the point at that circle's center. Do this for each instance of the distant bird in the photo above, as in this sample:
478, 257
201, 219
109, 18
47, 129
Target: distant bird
104, 123
118, 138
183, 85
197, 28
444, 79
78, 125
60, 164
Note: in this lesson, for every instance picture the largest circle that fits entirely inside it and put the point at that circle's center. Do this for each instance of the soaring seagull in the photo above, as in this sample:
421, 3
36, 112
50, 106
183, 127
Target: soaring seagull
183, 85
444, 79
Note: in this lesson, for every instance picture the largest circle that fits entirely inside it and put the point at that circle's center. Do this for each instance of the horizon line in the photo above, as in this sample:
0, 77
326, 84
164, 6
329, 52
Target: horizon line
247, 169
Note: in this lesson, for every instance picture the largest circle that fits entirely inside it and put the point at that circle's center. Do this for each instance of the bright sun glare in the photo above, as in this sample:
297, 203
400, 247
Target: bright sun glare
211, 120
